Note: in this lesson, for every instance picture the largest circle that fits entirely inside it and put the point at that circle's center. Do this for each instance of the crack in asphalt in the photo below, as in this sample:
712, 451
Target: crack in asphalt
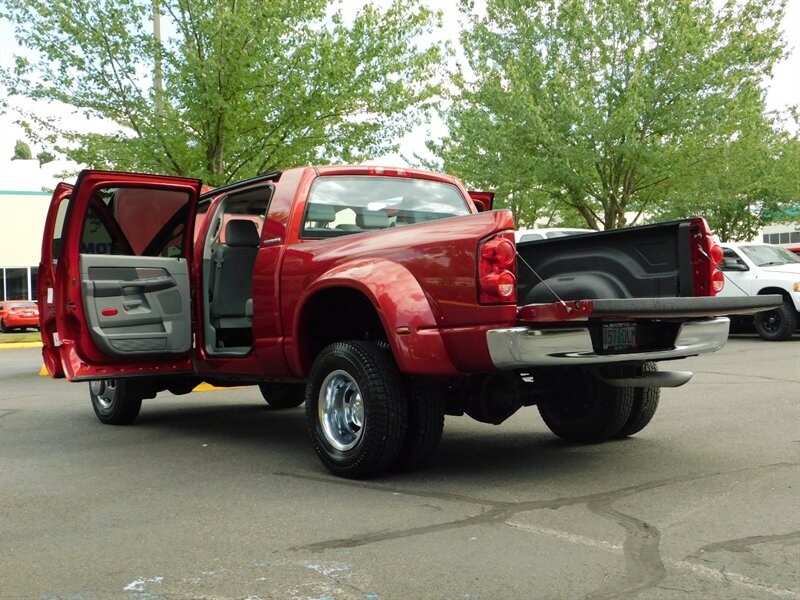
745, 376
644, 567
395, 490
5, 412
745, 544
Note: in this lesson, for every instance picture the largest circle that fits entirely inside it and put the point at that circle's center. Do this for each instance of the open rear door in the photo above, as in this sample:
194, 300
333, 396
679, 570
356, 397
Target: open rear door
117, 302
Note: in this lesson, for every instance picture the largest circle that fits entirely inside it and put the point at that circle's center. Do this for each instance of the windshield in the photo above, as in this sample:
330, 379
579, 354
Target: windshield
766, 256
341, 205
22, 304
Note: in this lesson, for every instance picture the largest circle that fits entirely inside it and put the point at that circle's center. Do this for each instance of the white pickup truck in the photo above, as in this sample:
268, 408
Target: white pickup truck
755, 269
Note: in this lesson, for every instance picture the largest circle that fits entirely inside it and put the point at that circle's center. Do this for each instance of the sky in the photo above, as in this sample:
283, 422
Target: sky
783, 90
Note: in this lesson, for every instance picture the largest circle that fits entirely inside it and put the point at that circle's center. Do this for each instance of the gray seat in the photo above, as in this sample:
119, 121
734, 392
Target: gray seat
372, 220
232, 304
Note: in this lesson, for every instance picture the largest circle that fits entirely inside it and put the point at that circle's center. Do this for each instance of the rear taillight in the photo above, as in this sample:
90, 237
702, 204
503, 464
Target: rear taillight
497, 270
706, 255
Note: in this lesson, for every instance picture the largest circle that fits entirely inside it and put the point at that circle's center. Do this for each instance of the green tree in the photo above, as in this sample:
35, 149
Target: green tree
45, 157
744, 185
248, 86
602, 107
21, 151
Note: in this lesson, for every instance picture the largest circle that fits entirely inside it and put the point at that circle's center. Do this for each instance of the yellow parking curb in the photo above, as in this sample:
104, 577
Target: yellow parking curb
43, 372
10, 345
207, 387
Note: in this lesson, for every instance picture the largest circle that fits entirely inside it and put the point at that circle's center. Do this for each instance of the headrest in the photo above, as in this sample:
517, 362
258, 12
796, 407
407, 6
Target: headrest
321, 213
372, 220
241, 233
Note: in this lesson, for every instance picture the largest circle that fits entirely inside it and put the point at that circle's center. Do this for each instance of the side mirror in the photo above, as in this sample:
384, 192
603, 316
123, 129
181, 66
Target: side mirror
479, 205
732, 264
483, 201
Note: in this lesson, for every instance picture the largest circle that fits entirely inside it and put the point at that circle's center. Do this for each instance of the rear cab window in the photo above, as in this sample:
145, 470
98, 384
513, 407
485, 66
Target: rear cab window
345, 204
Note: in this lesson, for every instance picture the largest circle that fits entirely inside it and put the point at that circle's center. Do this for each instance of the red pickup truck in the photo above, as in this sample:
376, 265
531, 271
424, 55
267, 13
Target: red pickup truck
383, 298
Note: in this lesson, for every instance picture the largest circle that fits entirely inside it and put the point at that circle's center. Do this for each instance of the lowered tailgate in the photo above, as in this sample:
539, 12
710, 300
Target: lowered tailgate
601, 331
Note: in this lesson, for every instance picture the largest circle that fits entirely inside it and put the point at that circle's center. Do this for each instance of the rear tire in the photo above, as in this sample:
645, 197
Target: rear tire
112, 401
283, 395
425, 423
645, 403
356, 409
586, 410
778, 324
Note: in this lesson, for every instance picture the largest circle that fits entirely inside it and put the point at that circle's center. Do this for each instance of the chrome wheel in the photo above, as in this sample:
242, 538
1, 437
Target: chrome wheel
105, 392
341, 410
113, 401
356, 408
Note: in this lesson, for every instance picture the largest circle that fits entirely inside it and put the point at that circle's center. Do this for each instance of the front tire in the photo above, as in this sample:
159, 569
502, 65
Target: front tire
356, 409
778, 324
586, 410
3, 327
282, 395
112, 401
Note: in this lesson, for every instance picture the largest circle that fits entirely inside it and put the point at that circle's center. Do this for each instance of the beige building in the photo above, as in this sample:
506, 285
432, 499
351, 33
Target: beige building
22, 217
23, 211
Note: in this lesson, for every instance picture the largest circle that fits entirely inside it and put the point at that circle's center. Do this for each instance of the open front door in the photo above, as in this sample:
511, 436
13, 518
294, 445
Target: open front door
121, 286
45, 286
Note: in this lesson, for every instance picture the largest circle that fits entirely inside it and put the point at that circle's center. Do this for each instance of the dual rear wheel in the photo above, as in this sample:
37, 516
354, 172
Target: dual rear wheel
587, 410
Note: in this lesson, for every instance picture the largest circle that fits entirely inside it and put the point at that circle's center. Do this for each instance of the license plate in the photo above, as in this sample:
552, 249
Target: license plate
27, 314
619, 336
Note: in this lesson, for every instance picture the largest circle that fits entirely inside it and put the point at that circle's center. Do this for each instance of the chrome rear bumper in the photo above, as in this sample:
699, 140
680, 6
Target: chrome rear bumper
520, 347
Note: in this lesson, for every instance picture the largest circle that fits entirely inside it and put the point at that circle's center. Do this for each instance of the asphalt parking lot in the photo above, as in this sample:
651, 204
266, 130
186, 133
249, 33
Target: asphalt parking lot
215, 496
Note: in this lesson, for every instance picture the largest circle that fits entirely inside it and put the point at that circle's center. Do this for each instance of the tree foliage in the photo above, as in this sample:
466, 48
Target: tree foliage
22, 151
248, 86
743, 186
45, 157
602, 107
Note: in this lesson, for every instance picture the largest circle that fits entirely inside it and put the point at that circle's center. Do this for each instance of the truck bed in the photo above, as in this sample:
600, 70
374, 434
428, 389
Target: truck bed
651, 261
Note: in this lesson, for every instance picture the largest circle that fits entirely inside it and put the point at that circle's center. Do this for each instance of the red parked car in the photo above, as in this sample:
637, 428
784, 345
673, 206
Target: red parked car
18, 314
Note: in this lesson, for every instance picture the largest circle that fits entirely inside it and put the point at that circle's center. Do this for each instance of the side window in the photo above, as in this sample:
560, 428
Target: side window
58, 230
136, 222
248, 205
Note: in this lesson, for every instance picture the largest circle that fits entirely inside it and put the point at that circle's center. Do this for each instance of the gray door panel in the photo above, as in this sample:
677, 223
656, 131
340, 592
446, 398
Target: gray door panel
137, 305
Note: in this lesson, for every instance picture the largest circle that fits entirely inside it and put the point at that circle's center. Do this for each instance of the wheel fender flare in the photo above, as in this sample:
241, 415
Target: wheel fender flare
402, 306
